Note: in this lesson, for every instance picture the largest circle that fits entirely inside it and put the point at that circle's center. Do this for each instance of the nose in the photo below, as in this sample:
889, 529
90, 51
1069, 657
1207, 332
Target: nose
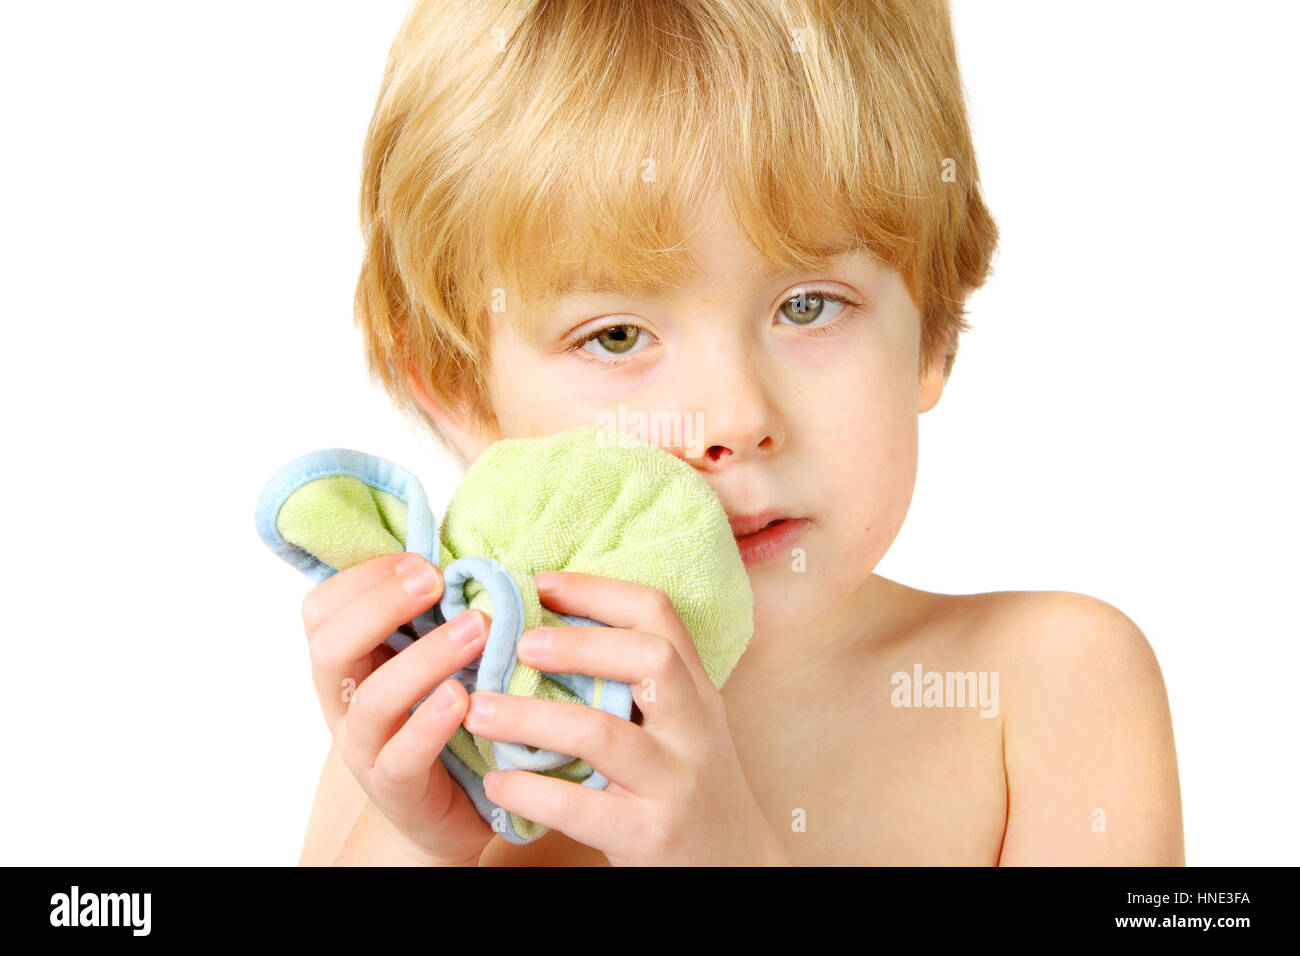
738, 419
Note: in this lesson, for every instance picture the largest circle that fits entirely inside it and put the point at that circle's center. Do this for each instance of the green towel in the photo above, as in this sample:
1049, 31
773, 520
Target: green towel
590, 499
599, 501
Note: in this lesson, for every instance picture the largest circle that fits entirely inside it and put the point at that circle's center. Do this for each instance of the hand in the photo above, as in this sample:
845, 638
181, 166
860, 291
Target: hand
677, 794
366, 693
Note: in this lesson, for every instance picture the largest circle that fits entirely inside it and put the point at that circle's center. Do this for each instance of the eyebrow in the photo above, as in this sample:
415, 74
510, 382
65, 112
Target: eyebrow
583, 285
578, 284
600, 285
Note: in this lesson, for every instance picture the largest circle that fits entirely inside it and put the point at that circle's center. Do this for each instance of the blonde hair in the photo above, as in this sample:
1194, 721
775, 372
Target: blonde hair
537, 141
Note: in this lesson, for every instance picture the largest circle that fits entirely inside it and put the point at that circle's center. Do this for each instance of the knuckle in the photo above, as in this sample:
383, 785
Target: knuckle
663, 829
323, 659
657, 602
639, 829
312, 613
576, 643
362, 706
387, 779
603, 736
564, 803
662, 655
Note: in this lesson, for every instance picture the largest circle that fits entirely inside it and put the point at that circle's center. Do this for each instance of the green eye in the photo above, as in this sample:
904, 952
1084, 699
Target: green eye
619, 338
807, 307
615, 339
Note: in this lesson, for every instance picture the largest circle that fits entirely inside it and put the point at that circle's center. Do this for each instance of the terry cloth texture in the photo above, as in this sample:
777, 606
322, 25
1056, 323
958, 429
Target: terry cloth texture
588, 499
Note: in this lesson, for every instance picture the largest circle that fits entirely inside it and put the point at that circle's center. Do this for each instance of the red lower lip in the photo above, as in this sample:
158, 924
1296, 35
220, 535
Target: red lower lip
774, 539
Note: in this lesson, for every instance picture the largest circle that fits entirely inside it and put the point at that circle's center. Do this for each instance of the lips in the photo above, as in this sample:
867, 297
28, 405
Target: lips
772, 534
748, 524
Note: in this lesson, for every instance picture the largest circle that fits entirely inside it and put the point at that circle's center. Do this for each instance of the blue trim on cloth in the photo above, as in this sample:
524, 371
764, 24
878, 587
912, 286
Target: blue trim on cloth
493, 670
377, 473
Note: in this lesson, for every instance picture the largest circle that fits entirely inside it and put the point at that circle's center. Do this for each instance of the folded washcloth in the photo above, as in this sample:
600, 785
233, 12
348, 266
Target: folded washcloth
590, 499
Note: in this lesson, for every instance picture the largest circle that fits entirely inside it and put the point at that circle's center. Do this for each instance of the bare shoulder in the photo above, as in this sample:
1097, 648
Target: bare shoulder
1060, 655
1031, 633
1030, 626
1051, 629
1088, 741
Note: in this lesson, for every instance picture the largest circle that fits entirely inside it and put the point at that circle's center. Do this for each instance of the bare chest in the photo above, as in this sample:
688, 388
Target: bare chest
861, 782
851, 779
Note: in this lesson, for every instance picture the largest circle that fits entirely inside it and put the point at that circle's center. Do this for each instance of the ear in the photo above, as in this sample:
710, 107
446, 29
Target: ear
932, 380
467, 439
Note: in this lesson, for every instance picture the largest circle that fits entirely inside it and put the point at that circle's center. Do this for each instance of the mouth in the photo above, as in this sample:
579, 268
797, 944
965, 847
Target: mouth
748, 524
763, 535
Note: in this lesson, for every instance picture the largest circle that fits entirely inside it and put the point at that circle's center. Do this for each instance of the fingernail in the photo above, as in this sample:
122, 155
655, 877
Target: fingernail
481, 704
419, 577
443, 698
408, 562
534, 643
466, 627
545, 579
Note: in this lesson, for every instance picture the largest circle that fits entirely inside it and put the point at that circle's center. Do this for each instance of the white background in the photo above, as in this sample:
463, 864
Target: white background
180, 244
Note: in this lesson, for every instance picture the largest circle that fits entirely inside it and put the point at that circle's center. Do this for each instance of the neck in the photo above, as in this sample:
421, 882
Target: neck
781, 654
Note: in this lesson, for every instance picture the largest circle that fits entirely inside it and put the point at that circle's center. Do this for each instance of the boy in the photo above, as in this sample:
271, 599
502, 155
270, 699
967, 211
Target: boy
763, 217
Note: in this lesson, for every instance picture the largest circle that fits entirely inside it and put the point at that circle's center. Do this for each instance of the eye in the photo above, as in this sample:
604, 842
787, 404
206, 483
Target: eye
617, 340
805, 308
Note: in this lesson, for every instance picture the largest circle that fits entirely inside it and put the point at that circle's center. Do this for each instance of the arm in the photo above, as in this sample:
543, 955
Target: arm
346, 829
1088, 745
373, 842
338, 803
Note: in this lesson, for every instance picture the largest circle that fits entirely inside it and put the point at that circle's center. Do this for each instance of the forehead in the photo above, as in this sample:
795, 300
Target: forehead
579, 283
708, 248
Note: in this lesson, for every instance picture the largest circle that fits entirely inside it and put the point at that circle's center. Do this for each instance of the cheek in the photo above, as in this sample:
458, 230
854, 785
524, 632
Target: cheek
520, 414
534, 394
872, 490
529, 401
868, 446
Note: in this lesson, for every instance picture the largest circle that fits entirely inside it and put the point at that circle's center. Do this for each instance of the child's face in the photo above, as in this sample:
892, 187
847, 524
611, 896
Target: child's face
816, 421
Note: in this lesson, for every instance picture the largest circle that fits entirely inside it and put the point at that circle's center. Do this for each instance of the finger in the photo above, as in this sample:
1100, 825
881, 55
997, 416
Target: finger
617, 748
342, 588
610, 822
341, 645
408, 770
650, 665
383, 702
622, 604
